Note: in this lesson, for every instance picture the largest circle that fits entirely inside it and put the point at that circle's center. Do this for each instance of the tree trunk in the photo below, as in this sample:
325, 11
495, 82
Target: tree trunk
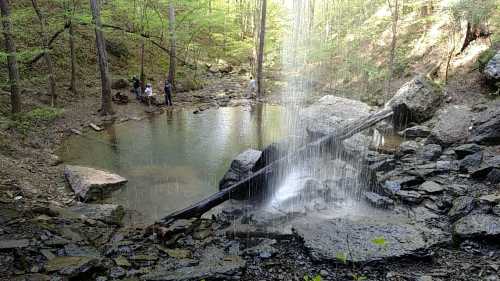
392, 55
106, 105
48, 59
72, 50
10, 49
171, 29
260, 55
142, 76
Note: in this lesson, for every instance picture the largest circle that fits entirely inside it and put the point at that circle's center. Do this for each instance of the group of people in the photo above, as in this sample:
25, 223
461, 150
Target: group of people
148, 96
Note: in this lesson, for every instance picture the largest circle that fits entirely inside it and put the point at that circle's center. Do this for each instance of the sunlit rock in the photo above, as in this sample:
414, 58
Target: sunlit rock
91, 184
415, 101
452, 126
241, 167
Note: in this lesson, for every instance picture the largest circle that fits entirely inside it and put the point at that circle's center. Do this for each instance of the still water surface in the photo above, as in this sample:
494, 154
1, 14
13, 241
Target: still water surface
176, 158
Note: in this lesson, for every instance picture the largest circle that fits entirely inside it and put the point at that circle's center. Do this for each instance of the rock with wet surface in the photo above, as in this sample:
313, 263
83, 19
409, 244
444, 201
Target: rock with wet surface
365, 239
71, 266
478, 226
466, 149
415, 101
107, 213
418, 131
408, 147
452, 126
241, 167
430, 152
431, 187
92, 184
378, 200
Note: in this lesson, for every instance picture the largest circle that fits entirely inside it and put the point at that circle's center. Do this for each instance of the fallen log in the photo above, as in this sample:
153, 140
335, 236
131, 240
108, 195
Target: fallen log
252, 182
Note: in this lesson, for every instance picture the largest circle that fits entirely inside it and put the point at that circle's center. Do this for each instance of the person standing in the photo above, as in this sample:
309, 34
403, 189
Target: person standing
149, 93
137, 87
168, 93
252, 86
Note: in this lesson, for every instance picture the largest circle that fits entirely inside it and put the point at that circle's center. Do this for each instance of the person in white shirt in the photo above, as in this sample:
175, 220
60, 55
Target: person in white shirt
252, 86
149, 93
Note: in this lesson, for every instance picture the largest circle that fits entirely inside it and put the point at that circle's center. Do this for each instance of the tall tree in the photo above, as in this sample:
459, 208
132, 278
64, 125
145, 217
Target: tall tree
260, 55
71, 30
394, 7
10, 48
106, 105
173, 49
48, 59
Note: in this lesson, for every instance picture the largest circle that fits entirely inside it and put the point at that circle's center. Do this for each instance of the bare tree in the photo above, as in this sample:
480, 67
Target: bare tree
48, 59
171, 29
106, 105
260, 55
10, 48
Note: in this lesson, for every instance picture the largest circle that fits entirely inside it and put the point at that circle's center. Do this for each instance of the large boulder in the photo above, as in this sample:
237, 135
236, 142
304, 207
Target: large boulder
92, 184
416, 101
486, 127
452, 126
478, 226
241, 167
330, 112
492, 69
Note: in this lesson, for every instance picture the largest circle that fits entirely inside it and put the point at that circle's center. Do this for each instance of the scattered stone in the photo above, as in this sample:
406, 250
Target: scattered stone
179, 253
14, 244
466, 149
70, 265
477, 226
494, 176
490, 199
122, 261
378, 201
431, 187
462, 206
471, 162
408, 147
452, 126
431, 152
107, 213
410, 196
416, 101
415, 132
496, 210
117, 272
263, 250
486, 128
92, 184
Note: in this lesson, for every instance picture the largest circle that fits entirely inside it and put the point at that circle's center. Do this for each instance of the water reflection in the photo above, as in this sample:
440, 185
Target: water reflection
177, 158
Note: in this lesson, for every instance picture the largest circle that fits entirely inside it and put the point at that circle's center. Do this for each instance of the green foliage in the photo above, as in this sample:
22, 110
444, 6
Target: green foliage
379, 241
315, 278
358, 277
341, 257
473, 11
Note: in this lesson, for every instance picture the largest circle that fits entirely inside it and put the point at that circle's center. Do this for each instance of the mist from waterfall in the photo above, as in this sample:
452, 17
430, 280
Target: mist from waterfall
331, 177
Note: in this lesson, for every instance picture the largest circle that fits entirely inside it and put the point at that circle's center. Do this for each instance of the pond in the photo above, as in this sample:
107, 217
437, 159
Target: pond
177, 158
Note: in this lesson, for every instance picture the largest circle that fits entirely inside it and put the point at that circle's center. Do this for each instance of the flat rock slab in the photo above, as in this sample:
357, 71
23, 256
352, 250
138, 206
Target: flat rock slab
478, 226
215, 264
107, 213
365, 239
91, 184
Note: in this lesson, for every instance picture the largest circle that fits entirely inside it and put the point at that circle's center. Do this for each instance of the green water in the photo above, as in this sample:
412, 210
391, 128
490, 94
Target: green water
174, 159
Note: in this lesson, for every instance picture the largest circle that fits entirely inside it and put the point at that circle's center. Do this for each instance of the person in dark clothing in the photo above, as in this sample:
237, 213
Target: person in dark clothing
168, 93
137, 87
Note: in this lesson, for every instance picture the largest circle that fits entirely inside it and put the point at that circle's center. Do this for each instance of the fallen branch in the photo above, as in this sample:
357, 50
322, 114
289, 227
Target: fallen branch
51, 41
253, 182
